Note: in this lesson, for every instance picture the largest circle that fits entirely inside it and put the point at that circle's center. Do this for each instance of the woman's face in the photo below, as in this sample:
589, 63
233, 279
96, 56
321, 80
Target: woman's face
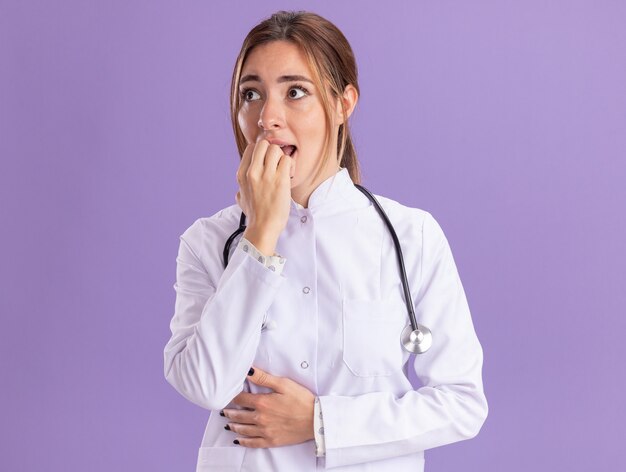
279, 101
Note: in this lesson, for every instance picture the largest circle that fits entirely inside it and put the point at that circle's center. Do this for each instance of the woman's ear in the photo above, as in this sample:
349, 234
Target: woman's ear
350, 97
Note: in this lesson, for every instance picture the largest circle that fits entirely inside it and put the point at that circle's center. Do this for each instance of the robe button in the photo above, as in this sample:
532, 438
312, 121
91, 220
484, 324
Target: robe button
303, 219
304, 364
306, 289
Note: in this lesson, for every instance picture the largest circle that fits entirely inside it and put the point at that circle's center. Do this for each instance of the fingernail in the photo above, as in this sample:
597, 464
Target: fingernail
227, 428
251, 371
222, 413
236, 441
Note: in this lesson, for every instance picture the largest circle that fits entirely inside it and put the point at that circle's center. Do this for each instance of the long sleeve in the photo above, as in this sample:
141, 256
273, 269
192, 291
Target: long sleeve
216, 324
449, 407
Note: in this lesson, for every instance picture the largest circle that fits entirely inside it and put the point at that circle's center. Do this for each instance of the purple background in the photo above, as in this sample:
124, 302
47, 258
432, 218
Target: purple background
506, 120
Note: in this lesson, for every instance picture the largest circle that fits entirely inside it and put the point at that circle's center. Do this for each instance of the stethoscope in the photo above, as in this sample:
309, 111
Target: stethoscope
415, 338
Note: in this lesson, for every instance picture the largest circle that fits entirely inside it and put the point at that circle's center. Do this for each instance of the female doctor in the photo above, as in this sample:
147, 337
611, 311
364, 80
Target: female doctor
294, 341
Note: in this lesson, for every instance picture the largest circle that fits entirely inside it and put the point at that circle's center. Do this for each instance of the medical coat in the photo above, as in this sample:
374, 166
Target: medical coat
336, 313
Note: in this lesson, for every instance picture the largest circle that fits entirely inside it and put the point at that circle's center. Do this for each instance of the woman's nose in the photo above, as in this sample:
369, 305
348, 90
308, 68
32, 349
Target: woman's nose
271, 114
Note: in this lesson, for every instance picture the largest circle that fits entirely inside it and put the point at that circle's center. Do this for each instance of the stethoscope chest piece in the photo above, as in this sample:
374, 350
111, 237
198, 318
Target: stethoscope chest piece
416, 341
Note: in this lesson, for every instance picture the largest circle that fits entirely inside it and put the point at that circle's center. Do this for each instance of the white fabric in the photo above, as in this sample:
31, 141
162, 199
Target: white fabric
276, 263
336, 313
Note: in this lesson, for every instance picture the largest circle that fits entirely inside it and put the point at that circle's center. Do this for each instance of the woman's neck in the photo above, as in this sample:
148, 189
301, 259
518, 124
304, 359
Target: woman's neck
302, 193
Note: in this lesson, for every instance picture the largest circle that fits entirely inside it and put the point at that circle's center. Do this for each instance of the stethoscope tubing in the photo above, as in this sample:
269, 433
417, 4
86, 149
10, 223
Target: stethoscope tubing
229, 242
405, 283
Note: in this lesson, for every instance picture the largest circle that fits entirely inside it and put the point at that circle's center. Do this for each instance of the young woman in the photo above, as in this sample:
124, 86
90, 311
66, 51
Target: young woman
300, 334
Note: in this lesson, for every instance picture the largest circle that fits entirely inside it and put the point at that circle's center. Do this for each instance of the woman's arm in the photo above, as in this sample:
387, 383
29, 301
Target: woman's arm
451, 405
216, 326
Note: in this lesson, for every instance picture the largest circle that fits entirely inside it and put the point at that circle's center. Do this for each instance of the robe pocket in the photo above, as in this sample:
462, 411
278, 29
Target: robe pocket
220, 459
371, 336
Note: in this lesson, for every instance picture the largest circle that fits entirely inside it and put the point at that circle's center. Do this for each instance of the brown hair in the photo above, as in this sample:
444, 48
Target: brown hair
329, 57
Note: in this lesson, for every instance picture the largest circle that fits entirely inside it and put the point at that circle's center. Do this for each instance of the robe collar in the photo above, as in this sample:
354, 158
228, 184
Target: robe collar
335, 193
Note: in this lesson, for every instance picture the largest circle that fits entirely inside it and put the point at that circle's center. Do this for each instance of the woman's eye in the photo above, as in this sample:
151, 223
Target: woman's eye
297, 89
248, 95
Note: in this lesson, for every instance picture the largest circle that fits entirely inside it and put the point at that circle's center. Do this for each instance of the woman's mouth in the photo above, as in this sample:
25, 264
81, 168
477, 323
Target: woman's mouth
289, 149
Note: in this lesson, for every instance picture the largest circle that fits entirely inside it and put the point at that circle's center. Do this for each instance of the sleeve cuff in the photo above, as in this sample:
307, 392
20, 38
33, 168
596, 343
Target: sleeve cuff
318, 429
275, 263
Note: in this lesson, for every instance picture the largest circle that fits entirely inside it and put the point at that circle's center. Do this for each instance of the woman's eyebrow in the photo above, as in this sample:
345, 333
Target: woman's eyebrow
282, 78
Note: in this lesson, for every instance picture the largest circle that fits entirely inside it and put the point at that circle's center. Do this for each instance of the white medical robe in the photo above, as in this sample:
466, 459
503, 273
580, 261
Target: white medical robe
331, 321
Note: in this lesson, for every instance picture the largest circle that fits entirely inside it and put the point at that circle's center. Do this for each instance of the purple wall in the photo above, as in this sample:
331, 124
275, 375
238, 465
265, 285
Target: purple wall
506, 120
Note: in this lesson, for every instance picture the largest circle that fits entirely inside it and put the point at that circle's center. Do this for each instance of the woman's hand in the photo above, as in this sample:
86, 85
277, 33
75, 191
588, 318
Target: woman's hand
264, 193
279, 418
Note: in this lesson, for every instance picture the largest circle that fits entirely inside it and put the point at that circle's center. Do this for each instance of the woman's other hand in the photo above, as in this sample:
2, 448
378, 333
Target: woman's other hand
264, 193
279, 418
